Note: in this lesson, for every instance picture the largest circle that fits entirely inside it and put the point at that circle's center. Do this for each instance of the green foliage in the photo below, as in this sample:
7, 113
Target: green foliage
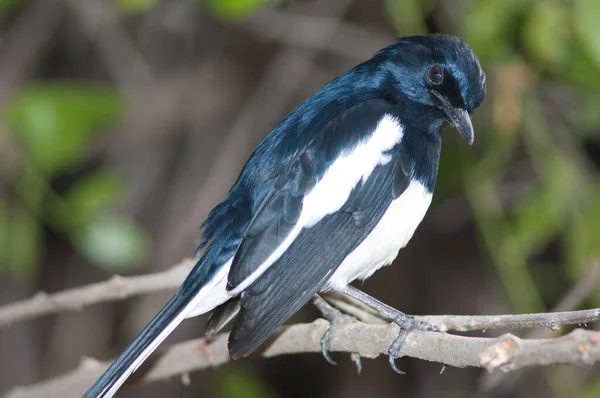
407, 16
133, 6
54, 124
556, 44
233, 9
489, 27
56, 121
10, 5
547, 45
93, 196
235, 383
586, 17
113, 242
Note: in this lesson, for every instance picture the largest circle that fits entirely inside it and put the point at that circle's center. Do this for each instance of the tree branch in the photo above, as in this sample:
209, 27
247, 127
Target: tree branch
505, 353
113, 289
122, 287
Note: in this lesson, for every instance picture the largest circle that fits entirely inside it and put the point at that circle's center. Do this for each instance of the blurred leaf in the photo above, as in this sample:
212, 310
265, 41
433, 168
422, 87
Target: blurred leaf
505, 251
10, 5
24, 242
489, 27
114, 243
582, 237
587, 15
239, 384
545, 34
234, 9
407, 16
93, 195
56, 121
581, 69
539, 215
133, 6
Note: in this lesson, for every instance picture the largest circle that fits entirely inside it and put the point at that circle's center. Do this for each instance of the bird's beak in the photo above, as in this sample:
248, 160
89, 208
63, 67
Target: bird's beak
459, 117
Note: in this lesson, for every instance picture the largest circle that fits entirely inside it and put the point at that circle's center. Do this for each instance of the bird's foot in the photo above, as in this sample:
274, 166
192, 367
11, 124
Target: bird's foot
335, 318
407, 323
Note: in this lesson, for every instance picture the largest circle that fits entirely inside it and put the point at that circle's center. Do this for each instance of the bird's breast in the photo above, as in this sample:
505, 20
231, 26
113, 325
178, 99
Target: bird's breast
391, 234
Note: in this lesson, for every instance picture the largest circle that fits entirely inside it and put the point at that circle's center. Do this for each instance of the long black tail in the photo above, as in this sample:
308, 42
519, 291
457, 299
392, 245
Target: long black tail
136, 353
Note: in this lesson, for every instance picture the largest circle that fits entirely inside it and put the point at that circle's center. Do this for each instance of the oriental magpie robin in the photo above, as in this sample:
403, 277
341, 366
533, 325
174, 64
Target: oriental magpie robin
329, 196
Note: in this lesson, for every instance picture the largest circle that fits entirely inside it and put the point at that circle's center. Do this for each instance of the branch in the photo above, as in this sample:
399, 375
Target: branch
113, 289
505, 353
548, 320
464, 323
122, 287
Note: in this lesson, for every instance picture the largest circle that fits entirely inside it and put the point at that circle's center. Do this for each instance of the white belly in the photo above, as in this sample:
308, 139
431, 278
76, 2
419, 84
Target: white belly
391, 234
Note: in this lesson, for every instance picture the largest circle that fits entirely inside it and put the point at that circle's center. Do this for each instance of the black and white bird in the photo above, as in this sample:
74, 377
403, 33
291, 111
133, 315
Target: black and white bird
328, 197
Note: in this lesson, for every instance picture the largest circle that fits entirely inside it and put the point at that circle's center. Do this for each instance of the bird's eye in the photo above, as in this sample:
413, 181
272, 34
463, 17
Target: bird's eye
436, 75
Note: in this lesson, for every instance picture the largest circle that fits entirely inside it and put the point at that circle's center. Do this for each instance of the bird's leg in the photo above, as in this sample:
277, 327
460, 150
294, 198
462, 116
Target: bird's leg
335, 317
405, 322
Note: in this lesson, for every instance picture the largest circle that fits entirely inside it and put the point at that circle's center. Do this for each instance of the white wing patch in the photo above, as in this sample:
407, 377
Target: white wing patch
391, 234
333, 189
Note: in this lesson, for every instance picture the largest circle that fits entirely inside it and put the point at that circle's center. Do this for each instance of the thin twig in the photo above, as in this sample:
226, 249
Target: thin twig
499, 383
113, 289
121, 287
506, 353
548, 320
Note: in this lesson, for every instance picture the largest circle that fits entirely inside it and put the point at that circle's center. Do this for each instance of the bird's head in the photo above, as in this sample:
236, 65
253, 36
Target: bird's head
440, 72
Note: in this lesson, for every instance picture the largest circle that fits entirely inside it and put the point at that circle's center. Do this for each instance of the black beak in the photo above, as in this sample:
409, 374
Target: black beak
459, 117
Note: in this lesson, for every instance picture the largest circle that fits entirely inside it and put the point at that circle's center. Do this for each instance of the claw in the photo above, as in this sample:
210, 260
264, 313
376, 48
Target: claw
443, 368
325, 345
394, 367
395, 347
355, 357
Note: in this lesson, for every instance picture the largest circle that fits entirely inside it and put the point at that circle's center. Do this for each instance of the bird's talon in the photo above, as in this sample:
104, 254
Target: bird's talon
325, 347
394, 367
355, 357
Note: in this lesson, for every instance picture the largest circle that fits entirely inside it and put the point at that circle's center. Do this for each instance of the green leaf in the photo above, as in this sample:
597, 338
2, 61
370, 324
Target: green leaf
234, 9
545, 34
133, 6
540, 215
56, 121
582, 237
10, 5
91, 196
582, 69
240, 384
587, 15
407, 16
114, 243
489, 25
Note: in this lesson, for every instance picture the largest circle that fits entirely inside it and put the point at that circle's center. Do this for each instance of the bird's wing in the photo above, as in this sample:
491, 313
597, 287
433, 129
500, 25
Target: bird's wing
313, 183
313, 257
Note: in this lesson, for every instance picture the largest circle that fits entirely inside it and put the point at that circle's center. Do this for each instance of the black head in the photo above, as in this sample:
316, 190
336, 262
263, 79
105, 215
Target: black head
440, 72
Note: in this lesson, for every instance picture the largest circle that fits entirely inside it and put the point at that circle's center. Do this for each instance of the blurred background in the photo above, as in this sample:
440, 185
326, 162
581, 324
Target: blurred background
124, 121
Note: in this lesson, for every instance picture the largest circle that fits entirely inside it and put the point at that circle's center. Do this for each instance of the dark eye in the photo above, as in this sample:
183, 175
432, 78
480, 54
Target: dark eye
436, 75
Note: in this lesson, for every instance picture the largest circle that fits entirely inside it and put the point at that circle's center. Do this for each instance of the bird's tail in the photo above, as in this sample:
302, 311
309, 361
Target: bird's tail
185, 303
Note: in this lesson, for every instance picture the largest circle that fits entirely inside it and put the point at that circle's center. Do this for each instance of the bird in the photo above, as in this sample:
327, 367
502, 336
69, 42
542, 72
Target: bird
328, 197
